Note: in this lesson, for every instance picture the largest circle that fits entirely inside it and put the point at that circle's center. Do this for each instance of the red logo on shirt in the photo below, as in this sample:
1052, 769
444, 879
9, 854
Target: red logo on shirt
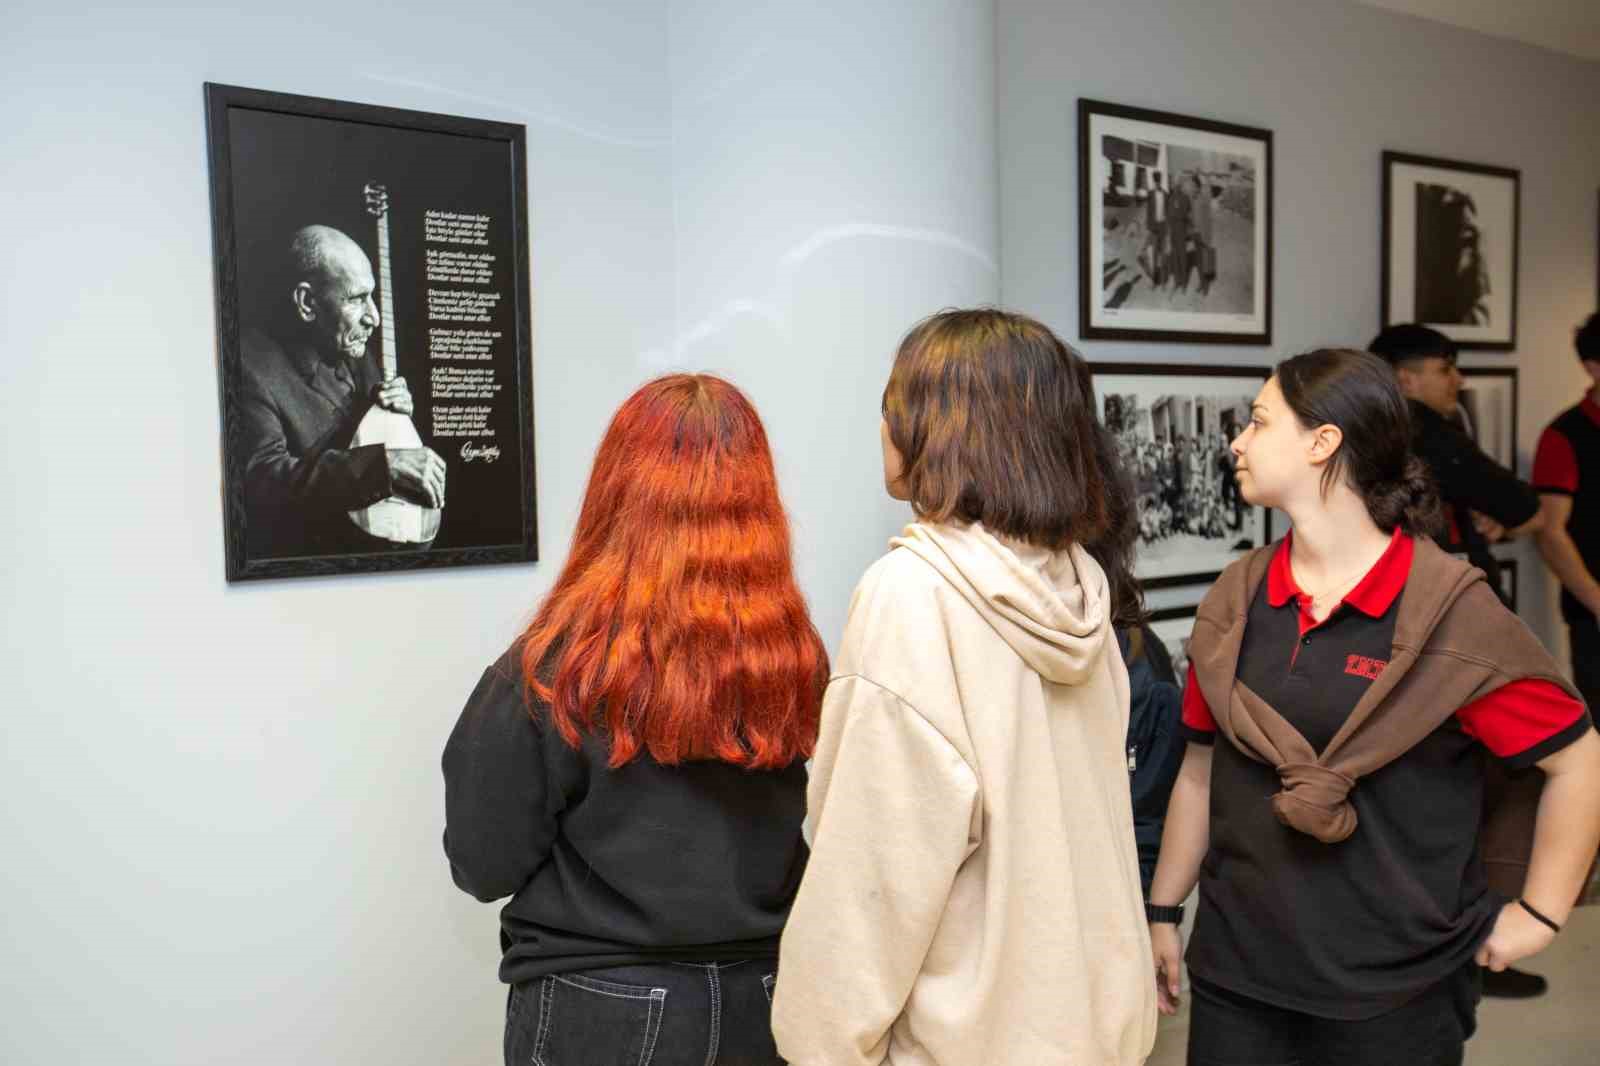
1362, 666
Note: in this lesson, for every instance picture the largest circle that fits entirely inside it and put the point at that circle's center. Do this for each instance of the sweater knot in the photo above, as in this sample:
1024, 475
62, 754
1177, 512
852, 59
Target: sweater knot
1316, 801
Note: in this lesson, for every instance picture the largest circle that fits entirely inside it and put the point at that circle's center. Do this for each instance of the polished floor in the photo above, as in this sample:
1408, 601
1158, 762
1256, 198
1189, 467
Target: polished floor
1560, 1028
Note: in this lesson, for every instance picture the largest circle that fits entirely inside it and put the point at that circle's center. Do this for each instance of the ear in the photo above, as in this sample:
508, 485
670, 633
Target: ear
1325, 442
304, 305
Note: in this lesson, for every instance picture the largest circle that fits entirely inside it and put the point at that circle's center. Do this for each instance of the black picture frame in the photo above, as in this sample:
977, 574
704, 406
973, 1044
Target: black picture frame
1242, 217
447, 198
1166, 558
1420, 277
1494, 429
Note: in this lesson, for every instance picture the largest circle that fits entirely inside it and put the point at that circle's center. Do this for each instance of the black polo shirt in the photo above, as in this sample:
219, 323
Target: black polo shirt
1354, 929
1568, 463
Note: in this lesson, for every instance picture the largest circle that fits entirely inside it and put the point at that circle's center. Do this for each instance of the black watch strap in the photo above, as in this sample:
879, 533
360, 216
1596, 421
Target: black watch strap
1153, 913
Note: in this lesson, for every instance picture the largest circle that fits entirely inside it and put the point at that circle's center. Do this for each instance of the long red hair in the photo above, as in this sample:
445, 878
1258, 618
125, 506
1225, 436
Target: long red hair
676, 625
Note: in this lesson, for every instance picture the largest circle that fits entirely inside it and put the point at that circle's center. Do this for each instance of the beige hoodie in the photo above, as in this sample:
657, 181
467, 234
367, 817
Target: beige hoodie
973, 894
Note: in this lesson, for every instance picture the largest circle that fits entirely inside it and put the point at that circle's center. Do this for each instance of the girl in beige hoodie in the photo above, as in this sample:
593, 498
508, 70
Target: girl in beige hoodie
973, 894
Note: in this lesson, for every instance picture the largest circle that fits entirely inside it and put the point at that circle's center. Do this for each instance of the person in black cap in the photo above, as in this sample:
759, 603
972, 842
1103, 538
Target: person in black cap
1484, 502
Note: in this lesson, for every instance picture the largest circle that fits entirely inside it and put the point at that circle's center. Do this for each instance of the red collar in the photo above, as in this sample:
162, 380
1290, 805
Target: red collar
1372, 597
1590, 408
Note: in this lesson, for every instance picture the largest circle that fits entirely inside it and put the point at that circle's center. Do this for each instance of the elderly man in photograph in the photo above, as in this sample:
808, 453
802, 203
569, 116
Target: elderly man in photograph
307, 382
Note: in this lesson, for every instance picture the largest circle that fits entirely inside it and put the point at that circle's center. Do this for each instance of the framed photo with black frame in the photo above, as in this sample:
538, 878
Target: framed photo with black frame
1174, 227
1173, 425
1450, 239
1487, 410
373, 334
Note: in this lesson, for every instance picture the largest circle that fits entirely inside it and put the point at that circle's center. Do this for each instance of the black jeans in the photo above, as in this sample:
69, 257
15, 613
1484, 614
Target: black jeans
1227, 1029
656, 1014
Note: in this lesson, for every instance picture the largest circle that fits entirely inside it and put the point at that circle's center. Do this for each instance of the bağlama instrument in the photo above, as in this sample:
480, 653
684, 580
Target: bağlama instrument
396, 519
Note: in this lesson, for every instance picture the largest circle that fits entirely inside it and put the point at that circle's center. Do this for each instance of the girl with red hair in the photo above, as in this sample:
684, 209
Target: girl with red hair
631, 772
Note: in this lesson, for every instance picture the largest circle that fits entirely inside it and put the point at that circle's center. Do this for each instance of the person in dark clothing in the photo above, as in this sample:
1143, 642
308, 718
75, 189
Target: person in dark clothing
631, 771
1347, 687
1566, 472
307, 382
1155, 749
1178, 215
1484, 502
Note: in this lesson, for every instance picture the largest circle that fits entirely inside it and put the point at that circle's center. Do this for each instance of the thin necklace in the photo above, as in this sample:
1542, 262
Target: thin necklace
1349, 580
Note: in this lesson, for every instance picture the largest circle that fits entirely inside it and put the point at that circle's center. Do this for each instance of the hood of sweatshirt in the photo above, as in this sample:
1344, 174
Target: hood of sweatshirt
1051, 607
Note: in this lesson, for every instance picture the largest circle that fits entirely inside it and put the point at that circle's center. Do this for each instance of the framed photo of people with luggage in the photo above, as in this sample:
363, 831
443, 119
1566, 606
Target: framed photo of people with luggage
1173, 426
1174, 227
1450, 248
373, 336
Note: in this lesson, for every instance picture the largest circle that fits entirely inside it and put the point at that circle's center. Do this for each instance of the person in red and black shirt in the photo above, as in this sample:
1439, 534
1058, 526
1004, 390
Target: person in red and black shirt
1484, 502
1566, 472
1359, 946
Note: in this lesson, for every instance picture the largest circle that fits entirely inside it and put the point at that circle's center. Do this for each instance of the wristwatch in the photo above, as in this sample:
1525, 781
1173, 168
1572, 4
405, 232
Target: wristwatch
1169, 915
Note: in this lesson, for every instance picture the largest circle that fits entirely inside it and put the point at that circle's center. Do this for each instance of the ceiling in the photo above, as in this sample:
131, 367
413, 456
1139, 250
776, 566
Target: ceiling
1570, 26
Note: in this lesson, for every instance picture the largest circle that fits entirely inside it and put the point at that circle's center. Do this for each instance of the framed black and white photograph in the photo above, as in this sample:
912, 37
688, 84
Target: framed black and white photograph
1173, 425
1487, 410
373, 335
1450, 238
1174, 227
1173, 626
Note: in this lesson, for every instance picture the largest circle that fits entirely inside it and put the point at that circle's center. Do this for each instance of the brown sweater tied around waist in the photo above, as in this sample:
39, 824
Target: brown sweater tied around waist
1453, 643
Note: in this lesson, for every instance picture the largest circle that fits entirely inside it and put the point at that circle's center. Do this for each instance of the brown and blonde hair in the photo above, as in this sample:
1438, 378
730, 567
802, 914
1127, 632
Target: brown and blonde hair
676, 626
994, 418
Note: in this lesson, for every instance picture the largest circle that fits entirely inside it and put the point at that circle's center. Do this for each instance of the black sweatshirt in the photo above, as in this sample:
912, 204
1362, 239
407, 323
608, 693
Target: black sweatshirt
697, 863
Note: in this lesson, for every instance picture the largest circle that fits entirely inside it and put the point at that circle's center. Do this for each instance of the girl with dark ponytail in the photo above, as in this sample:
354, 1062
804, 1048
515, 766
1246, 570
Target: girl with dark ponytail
1352, 877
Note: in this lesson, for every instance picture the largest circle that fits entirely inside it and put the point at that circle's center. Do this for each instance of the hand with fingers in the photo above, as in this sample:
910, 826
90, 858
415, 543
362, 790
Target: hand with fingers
1516, 935
394, 395
1167, 948
418, 472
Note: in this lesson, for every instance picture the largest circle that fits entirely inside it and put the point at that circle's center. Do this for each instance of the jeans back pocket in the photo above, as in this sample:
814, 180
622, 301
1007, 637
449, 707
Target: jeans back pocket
588, 1022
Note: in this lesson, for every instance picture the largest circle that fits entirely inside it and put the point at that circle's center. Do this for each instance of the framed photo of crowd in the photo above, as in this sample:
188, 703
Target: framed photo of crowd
1487, 410
1173, 425
1174, 227
373, 336
1450, 248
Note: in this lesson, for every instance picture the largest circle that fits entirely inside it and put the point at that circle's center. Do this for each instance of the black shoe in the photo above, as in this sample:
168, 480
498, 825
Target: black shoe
1513, 984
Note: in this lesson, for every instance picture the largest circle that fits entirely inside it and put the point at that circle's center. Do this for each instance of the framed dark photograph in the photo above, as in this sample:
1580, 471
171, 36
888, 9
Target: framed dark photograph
1487, 410
1450, 245
1173, 425
1174, 227
373, 335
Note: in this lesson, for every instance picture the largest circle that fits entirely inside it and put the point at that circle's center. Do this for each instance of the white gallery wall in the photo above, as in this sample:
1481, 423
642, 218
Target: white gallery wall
220, 805
1337, 83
